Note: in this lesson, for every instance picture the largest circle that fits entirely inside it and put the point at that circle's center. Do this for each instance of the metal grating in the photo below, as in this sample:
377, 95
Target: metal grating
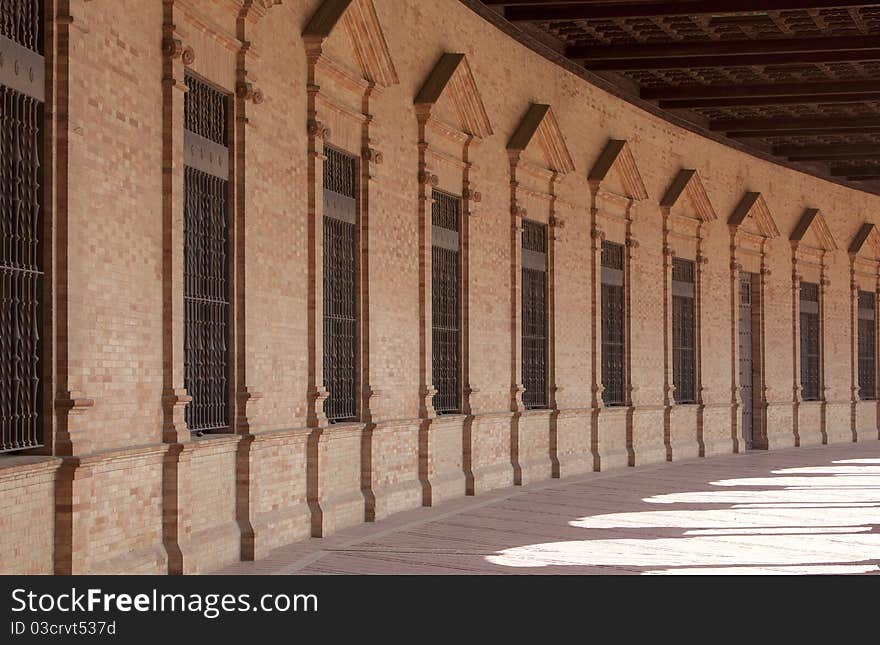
21, 275
683, 331
340, 285
867, 346
206, 270
445, 313
534, 315
613, 328
809, 341
204, 111
20, 21
612, 256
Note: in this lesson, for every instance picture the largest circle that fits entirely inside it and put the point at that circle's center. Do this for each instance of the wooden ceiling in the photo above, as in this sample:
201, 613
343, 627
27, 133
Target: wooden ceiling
795, 79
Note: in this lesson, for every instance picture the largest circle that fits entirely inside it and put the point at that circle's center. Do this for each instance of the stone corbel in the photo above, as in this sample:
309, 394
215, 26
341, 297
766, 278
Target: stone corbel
74, 402
597, 234
668, 250
825, 282
428, 179
766, 272
371, 155
702, 259
247, 92
173, 48
472, 195
632, 244
516, 392
318, 130
518, 211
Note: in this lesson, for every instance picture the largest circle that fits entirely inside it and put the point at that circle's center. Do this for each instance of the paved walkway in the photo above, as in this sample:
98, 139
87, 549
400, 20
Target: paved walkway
796, 511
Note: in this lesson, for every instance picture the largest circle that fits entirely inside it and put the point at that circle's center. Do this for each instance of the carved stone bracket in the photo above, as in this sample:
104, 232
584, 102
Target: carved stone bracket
518, 211
173, 48
473, 195
557, 222
428, 179
74, 402
632, 243
372, 155
319, 130
247, 92
597, 234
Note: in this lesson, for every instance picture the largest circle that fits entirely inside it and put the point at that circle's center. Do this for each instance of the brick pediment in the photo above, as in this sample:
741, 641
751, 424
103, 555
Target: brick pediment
452, 79
752, 215
866, 242
364, 32
618, 163
812, 231
539, 126
686, 196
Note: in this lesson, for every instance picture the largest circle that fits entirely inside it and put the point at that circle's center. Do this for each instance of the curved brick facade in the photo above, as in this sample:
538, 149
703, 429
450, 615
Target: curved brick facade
128, 489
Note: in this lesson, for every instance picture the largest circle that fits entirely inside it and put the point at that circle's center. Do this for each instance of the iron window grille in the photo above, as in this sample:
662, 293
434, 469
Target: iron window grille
683, 331
340, 285
613, 325
445, 312
809, 314
21, 270
867, 345
534, 314
206, 267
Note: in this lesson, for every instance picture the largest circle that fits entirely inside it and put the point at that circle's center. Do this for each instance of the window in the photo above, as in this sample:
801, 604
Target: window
21, 270
809, 341
340, 284
683, 331
445, 289
867, 340
205, 257
534, 314
613, 331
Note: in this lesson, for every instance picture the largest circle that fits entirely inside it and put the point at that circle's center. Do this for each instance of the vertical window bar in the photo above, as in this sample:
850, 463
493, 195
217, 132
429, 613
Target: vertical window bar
613, 327
809, 314
683, 331
445, 290
340, 285
534, 314
21, 275
867, 343
206, 270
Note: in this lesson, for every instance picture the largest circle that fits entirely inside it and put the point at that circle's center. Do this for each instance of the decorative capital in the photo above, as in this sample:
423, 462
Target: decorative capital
668, 250
766, 272
518, 211
372, 155
247, 92
473, 195
556, 222
318, 130
825, 282
735, 266
632, 243
597, 234
428, 179
172, 47
702, 259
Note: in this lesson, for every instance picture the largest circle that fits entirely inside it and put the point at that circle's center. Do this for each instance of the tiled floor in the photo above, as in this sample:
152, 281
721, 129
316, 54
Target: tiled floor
796, 511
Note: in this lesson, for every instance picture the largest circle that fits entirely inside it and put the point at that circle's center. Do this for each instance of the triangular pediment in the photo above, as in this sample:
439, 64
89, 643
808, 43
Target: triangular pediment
753, 209
812, 230
364, 33
452, 80
866, 241
539, 125
616, 170
687, 195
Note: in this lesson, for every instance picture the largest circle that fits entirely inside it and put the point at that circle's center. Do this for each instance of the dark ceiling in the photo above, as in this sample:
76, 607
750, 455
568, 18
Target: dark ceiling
795, 79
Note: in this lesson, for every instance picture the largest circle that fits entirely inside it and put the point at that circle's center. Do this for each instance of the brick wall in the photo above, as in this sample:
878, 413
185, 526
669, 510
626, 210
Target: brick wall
129, 502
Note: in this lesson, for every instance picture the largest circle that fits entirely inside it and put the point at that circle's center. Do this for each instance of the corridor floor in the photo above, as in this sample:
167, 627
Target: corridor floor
813, 510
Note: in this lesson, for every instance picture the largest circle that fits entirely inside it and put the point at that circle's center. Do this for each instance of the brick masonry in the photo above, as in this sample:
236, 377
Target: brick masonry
125, 488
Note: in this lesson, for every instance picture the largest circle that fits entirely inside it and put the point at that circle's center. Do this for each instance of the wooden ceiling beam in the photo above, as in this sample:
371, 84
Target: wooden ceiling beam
798, 132
734, 48
543, 10
673, 104
762, 90
855, 171
828, 151
745, 60
770, 126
